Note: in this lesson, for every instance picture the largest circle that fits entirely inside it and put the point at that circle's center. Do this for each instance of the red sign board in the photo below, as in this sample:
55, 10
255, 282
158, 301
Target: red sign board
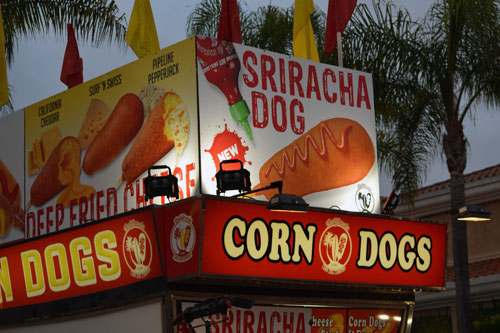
85, 260
246, 240
180, 237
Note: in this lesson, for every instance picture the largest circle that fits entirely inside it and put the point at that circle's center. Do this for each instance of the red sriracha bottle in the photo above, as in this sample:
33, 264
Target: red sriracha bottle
221, 66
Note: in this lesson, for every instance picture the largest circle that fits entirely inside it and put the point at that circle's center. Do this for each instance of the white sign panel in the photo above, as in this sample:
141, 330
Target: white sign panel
307, 124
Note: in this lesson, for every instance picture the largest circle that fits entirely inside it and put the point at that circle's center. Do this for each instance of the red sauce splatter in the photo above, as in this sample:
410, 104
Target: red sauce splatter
226, 146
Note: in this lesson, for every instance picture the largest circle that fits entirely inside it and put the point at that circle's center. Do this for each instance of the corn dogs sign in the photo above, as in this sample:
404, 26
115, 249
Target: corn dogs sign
322, 246
85, 260
307, 124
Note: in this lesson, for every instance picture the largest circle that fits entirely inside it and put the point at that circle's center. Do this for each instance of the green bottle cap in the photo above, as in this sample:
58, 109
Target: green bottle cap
240, 112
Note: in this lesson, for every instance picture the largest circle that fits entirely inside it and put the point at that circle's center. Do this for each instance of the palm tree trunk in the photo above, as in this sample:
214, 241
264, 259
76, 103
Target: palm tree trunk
454, 146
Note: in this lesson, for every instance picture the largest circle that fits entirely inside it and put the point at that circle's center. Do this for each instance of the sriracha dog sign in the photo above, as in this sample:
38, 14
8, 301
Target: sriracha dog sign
248, 240
307, 124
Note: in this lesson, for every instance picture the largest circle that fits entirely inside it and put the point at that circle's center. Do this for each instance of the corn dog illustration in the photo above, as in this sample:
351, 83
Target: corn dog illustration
11, 213
61, 172
120, 128
334, 153
166, 127
6, 215
54, 176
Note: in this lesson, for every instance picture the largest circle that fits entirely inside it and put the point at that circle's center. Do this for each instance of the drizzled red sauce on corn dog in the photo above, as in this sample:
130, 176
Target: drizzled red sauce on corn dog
321, 149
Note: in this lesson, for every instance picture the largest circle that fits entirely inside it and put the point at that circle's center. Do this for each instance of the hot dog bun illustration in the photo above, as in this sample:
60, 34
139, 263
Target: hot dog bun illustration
166, 127
120, 128
61, 171
334, 153
10, 202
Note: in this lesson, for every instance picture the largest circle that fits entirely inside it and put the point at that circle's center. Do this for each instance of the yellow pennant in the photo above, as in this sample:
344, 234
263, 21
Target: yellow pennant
304, 44
141, 34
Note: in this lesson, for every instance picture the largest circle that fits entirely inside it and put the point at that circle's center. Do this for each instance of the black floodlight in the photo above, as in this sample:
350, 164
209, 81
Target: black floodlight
391, 203
155, 186
232, 179
287, 203
470, 213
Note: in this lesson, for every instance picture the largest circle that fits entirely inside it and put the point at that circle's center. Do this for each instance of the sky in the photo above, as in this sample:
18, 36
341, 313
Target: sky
35, 72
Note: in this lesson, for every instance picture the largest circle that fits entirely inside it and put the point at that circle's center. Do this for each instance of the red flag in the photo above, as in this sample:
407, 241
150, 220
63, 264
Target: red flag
229, 24
339, 13
72, 68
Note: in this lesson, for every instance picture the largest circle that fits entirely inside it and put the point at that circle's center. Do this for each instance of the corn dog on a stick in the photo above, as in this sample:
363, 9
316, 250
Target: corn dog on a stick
166, 126
58, 172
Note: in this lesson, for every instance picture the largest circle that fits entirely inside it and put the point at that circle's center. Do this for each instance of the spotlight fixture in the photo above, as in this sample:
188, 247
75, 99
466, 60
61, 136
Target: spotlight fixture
391, 203
232, 178
470, 213
155, 186
287, 203
239, 179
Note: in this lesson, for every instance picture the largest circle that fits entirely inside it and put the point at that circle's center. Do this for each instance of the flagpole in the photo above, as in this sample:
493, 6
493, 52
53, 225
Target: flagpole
308, 45
339, 49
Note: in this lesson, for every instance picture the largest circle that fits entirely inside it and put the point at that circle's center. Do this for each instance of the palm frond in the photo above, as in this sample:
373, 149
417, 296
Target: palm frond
97, 21
204, 19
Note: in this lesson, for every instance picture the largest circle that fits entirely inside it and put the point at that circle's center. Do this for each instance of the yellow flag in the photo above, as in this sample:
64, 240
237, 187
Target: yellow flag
141, 34
304, 44
4, 85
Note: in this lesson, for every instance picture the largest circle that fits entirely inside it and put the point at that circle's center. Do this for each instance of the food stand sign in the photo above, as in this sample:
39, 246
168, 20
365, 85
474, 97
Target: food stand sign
81, 261
191, 106
247, 240
88, 149
308, 124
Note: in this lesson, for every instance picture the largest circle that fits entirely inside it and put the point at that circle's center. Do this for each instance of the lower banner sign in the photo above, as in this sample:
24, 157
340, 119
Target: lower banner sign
264, 319
80, 261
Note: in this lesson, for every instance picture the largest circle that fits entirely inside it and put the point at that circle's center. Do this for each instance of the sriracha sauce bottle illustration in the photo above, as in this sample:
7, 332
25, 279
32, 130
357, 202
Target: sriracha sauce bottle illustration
221, 66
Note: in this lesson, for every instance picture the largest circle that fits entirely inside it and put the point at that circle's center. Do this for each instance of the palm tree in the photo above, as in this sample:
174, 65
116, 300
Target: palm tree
269, 27
429, 75
95, 20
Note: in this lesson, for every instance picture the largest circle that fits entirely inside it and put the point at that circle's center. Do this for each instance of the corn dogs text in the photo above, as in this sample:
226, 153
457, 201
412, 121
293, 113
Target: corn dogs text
120, 128
335, 153
167, 125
